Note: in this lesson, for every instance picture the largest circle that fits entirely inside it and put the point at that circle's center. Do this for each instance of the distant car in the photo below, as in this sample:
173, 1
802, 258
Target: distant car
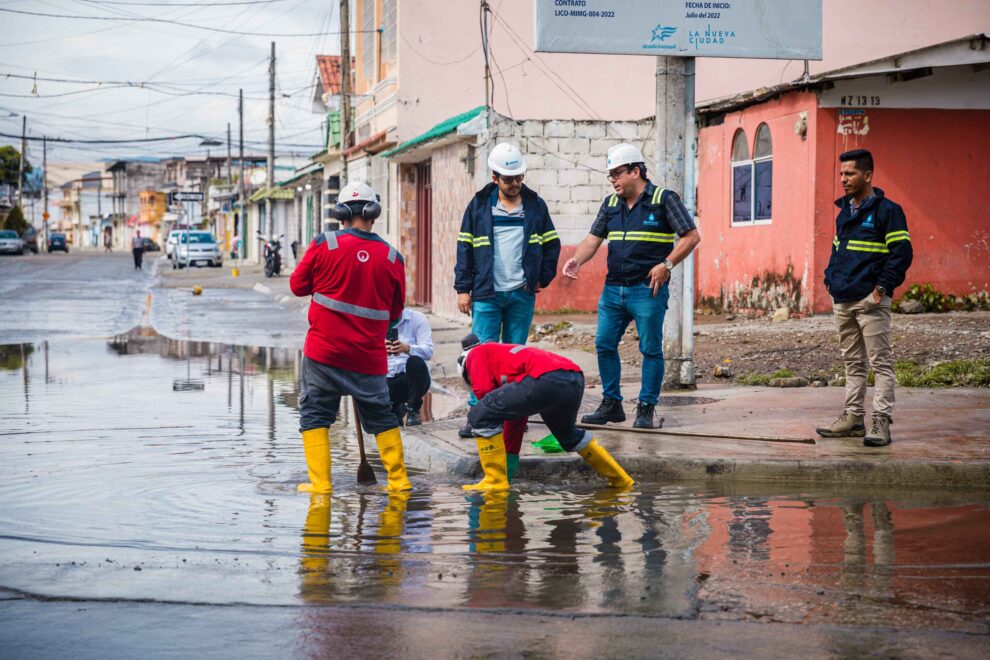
10, 242
56, 241
30, 238
150, 245
196, 248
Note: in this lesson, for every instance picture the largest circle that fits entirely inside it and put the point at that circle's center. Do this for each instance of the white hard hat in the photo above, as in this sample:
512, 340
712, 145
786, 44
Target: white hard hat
623, 154
357, 192
506, 159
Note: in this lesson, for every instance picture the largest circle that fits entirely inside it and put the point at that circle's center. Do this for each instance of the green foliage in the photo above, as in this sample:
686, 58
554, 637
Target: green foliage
955, 373
933, 300
15, 220
10, 162
764, 379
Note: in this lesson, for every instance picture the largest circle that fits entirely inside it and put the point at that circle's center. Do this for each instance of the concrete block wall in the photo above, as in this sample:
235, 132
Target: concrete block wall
407, 230
453, 188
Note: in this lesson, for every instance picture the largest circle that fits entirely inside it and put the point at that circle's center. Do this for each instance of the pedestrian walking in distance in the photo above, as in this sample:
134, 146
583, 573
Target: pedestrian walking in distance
640, 221
137, 249
513, 382
358, 286
871, 253
507, 251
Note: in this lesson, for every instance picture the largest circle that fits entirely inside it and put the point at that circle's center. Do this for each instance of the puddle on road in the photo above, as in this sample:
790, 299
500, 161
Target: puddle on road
148, 468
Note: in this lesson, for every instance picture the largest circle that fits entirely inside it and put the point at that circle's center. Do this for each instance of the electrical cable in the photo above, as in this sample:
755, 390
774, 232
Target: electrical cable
179, 23
182, 4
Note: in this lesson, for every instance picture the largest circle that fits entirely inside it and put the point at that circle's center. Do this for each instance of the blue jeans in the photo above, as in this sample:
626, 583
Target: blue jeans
618, 306
505, 318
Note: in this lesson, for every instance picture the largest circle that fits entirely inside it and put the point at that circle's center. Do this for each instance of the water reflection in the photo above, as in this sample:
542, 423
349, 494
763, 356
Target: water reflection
158, 476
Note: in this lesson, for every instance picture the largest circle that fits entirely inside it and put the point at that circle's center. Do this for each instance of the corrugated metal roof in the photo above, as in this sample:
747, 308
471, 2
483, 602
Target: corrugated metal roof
269, 193
441, 129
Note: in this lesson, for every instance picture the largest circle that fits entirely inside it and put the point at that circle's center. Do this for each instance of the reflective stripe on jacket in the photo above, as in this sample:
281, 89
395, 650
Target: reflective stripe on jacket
638, 238
870, 249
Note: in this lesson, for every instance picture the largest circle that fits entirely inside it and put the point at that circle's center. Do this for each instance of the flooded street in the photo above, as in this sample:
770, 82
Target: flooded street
156, 478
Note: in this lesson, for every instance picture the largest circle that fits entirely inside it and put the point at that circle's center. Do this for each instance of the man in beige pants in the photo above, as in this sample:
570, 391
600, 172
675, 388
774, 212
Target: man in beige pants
871, 253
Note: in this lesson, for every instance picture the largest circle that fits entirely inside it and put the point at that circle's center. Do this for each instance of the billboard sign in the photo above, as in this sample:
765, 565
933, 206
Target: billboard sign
765, 29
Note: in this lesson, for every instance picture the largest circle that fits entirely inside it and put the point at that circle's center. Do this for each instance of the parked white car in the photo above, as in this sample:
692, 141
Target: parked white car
10, 242
196, 248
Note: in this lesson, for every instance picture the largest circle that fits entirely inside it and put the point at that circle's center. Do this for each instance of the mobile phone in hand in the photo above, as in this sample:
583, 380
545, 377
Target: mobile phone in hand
392, 335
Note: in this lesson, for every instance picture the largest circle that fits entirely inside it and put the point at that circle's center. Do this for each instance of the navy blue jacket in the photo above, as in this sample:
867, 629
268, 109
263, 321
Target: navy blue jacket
474, 271
869, 250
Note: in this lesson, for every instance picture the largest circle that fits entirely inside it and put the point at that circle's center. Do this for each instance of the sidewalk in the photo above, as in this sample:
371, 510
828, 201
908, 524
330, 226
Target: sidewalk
941, 436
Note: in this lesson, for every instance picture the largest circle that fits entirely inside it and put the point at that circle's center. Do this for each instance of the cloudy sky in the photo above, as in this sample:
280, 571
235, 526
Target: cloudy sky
183, 69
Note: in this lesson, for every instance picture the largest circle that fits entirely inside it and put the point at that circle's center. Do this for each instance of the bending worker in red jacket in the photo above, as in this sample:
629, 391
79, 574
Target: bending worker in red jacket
358, 284
513, 382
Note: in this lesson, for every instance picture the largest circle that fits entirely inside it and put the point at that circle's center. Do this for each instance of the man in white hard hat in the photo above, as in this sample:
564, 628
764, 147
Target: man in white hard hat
640, 221
507, 251
358, 286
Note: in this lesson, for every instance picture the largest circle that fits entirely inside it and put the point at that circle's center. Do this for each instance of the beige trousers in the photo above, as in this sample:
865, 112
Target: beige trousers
864, 339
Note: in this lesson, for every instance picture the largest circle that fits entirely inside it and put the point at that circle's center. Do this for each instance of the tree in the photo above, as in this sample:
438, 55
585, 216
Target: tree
15, 220
10, 163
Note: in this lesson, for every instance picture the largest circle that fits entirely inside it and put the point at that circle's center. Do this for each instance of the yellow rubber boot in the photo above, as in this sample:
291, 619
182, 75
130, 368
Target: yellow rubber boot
390, 451
492, 521
605, 465
316, 444
314, 556
391, 522
491, 451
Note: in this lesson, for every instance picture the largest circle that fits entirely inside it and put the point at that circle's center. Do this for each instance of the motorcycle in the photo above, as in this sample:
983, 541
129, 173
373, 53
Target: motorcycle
273, 255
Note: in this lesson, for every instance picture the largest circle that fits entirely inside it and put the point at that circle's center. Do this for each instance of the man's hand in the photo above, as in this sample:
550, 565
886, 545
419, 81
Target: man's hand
464, 303
571, 267
396, 347
658, 275
876, 295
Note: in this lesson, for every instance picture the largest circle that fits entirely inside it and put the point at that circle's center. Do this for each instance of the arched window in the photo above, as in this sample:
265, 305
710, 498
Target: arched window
762, 174
742, 179
752, 178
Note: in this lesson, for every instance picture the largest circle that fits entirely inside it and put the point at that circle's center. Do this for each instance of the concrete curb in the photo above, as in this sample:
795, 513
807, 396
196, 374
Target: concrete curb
429, 448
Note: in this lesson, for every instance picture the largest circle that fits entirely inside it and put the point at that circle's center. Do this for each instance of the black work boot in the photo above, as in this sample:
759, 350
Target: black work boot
465, 431
644, 415
610, 410
413, 418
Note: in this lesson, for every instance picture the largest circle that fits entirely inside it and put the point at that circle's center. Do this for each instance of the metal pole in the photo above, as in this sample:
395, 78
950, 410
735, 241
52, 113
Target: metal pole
669, 143
20, 167
241, 220
690, 173
271, 141
345, 85
44, 186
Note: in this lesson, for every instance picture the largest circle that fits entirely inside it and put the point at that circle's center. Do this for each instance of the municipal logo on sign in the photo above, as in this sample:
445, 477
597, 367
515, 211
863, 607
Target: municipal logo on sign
663, 32
363, 256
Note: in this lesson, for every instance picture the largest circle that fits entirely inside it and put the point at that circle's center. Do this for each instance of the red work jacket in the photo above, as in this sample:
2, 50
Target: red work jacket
358, 284
490, 366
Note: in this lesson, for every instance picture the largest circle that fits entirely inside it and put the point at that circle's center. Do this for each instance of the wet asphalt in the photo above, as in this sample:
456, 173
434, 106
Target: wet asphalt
147, 504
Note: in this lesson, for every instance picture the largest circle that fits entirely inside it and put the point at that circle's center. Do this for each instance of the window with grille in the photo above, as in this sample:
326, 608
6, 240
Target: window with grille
368, 41
752, 178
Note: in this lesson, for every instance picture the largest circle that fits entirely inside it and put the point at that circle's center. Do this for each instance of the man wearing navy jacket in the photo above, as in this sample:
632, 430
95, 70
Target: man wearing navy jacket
871, 253
507, 251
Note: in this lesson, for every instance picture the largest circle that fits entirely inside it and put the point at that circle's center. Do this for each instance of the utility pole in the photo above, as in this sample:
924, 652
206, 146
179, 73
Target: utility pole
488, 71
20, 167
345, 85
271, 142
674, 146
229, 179
44, 185
241, 220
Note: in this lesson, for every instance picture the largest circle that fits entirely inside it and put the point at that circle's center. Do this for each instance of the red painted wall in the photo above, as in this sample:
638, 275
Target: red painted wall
935, 164
730, 258
580, 294
931, 162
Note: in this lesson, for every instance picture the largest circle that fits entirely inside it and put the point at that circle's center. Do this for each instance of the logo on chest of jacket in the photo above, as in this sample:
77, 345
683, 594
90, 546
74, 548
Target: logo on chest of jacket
651, 221
868, 223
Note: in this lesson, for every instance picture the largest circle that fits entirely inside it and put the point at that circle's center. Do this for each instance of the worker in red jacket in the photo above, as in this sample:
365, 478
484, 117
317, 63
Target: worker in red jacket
513, 382
358, 285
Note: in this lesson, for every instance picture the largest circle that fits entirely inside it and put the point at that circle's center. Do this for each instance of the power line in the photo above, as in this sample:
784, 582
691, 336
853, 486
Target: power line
182, 4
148, 19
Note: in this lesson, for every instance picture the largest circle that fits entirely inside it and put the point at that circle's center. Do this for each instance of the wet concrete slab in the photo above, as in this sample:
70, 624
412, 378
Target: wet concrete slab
941, 439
